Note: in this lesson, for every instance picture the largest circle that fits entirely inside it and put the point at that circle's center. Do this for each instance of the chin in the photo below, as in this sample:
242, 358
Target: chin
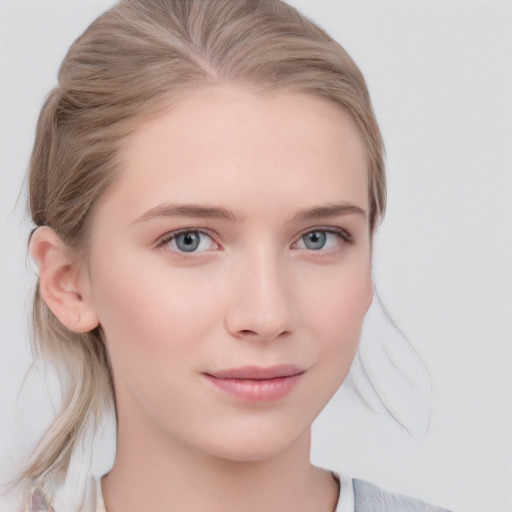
256, 443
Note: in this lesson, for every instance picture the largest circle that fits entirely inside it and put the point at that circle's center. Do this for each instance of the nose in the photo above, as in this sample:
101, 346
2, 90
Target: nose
262, 305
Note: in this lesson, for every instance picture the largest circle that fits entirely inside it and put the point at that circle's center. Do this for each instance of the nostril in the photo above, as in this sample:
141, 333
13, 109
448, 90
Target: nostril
255, 335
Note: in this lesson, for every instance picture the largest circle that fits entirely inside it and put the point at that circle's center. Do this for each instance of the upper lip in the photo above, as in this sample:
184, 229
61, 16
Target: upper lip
258, 372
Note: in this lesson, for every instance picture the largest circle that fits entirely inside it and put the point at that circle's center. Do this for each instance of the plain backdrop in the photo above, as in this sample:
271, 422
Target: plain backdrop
440, 76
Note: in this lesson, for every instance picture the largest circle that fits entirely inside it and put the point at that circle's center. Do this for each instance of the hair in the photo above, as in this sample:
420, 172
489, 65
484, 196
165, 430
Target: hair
135, 58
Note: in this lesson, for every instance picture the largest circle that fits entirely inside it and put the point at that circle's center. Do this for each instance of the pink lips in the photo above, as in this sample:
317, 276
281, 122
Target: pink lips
257, 384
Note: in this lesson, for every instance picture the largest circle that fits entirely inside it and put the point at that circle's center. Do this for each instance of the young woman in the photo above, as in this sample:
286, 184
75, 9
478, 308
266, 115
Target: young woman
205, 183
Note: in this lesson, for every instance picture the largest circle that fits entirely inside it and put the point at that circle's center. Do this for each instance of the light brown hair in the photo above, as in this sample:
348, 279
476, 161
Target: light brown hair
134, 60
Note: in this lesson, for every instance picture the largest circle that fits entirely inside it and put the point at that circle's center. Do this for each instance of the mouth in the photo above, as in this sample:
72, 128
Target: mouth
257, 384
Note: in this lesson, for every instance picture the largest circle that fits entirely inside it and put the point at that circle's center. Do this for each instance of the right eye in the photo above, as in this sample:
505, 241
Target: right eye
188, 241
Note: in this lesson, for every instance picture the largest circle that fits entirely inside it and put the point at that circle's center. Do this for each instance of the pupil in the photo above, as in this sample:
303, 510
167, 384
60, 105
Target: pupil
315, 240
188, 242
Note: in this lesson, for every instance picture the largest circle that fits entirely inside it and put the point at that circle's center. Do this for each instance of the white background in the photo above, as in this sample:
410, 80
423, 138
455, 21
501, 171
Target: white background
439, 72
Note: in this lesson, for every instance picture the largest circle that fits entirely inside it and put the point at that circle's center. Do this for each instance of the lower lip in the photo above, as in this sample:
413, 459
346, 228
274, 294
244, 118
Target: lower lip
264, 390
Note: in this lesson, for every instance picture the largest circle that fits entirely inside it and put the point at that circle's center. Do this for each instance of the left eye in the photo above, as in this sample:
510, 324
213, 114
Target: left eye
319, 240
189, 241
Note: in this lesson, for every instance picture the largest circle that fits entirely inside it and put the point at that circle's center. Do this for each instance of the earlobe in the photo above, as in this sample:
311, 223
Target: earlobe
63, 282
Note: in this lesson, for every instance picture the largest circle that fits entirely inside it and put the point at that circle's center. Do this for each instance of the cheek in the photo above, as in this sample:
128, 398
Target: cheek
335, 312
147, 310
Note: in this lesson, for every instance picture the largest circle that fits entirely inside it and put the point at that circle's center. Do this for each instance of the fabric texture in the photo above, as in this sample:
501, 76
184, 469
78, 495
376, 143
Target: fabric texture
370, 498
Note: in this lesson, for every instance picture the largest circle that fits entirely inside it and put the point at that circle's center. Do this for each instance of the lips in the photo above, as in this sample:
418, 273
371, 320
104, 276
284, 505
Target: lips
257, 384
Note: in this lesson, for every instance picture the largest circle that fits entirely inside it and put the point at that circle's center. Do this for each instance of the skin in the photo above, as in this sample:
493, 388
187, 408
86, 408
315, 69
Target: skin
256, 292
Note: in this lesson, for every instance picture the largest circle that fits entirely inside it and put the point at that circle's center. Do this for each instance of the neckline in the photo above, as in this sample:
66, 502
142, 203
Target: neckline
345, 501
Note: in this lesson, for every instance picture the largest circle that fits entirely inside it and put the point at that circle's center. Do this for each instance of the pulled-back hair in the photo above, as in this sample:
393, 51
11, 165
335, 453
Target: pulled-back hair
131, 63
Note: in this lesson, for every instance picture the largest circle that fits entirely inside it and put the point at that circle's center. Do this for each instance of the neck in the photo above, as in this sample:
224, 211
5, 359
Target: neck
152, 473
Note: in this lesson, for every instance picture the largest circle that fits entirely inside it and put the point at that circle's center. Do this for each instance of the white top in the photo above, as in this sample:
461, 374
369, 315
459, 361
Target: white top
346, 497
345, 500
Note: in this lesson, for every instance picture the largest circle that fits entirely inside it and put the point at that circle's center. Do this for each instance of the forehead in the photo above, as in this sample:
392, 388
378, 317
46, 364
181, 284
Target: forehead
232, 144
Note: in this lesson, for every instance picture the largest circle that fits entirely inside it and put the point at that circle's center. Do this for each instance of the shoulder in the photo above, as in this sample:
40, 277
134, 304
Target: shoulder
370, 498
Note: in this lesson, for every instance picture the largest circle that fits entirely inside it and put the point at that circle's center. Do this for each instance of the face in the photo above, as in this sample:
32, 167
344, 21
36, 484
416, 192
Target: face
230, 269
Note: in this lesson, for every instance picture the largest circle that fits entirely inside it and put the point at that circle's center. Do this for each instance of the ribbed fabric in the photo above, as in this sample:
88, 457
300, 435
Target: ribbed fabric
370, 498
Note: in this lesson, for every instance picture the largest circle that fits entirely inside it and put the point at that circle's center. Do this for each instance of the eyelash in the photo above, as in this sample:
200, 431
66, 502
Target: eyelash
343, 234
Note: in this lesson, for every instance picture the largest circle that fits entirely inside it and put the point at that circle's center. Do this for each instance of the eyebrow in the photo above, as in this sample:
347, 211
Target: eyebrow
218, 212
189, 210
330, 210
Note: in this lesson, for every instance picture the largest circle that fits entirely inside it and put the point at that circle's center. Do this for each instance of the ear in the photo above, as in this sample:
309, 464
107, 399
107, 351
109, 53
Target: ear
63, 281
